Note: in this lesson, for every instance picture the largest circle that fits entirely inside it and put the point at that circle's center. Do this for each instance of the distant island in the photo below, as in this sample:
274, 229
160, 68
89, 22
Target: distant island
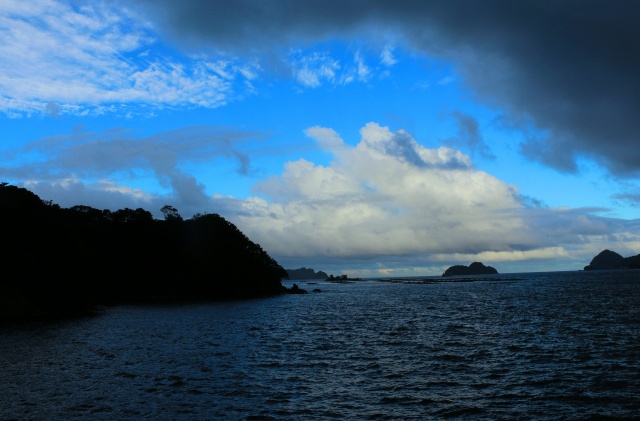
310, 274
69, 261
475, 268
610, 260
306, 273
341, 279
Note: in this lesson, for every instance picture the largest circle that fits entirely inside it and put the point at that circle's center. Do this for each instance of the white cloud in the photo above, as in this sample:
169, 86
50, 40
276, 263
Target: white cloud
387, 58
82, 59
90, 58
387, 195
101, 194
413, 211
504, 256
312, 69
362, 70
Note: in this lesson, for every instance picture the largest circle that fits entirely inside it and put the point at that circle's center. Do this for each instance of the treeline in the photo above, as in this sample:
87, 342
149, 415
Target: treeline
67, 260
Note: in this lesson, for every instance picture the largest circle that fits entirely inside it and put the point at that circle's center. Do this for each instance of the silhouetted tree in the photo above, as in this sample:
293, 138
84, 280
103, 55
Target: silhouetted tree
170, 213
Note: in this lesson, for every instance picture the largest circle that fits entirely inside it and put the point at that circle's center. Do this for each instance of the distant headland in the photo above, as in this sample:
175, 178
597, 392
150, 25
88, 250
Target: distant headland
306, 273
610, 260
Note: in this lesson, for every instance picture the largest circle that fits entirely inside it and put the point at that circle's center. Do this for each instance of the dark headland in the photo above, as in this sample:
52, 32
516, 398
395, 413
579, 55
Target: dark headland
68, 261
610, 260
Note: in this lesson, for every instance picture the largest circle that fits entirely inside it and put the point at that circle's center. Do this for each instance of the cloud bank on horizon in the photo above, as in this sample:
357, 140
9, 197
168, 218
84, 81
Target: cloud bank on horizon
559, 80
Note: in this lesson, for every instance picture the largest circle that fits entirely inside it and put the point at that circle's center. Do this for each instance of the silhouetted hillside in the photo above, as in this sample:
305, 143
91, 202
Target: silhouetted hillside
607, 260
63, 261
631, 262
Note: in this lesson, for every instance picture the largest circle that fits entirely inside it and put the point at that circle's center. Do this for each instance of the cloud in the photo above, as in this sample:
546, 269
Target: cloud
104, 57
389, 196
469, 136
387, 58
632, 198
386, 202
90, 58
569, 69
102, 194
85, 168
310, 70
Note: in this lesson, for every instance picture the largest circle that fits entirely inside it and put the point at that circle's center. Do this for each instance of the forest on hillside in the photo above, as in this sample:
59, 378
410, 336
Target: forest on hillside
60, 261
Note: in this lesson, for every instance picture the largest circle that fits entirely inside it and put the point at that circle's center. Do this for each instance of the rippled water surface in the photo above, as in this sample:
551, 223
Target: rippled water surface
542, 346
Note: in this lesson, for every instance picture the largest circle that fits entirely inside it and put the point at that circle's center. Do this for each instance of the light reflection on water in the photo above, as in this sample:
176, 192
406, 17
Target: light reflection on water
546, 346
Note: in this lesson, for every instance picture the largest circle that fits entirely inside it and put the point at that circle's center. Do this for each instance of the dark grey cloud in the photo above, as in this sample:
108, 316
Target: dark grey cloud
569, 68
52, 109
469, 135
630, 198
89, 154
403, 146
118, 151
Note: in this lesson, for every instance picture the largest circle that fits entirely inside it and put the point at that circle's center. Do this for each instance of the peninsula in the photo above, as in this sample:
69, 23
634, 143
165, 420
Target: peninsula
68, 261
610, 260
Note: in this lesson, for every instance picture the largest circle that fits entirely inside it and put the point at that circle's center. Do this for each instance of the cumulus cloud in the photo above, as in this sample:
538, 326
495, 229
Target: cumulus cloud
390, 196
567, 68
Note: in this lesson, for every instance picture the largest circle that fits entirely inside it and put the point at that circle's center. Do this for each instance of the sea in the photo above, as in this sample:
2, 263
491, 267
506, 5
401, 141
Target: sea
526, 346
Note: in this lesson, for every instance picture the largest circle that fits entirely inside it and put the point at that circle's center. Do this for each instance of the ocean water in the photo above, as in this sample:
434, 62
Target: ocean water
544, 346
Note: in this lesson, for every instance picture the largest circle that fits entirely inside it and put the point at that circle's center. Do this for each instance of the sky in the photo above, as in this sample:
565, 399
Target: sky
371, 138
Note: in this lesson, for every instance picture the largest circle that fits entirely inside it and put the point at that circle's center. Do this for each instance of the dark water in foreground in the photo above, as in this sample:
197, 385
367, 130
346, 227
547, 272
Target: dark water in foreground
547, 346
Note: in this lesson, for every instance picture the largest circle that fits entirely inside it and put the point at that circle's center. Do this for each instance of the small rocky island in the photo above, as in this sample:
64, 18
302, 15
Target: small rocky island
475, 268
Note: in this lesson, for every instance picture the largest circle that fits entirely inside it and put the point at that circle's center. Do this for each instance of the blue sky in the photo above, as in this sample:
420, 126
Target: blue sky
372, 138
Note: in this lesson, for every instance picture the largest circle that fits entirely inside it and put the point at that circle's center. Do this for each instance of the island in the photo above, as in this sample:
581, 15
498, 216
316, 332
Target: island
475, 268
